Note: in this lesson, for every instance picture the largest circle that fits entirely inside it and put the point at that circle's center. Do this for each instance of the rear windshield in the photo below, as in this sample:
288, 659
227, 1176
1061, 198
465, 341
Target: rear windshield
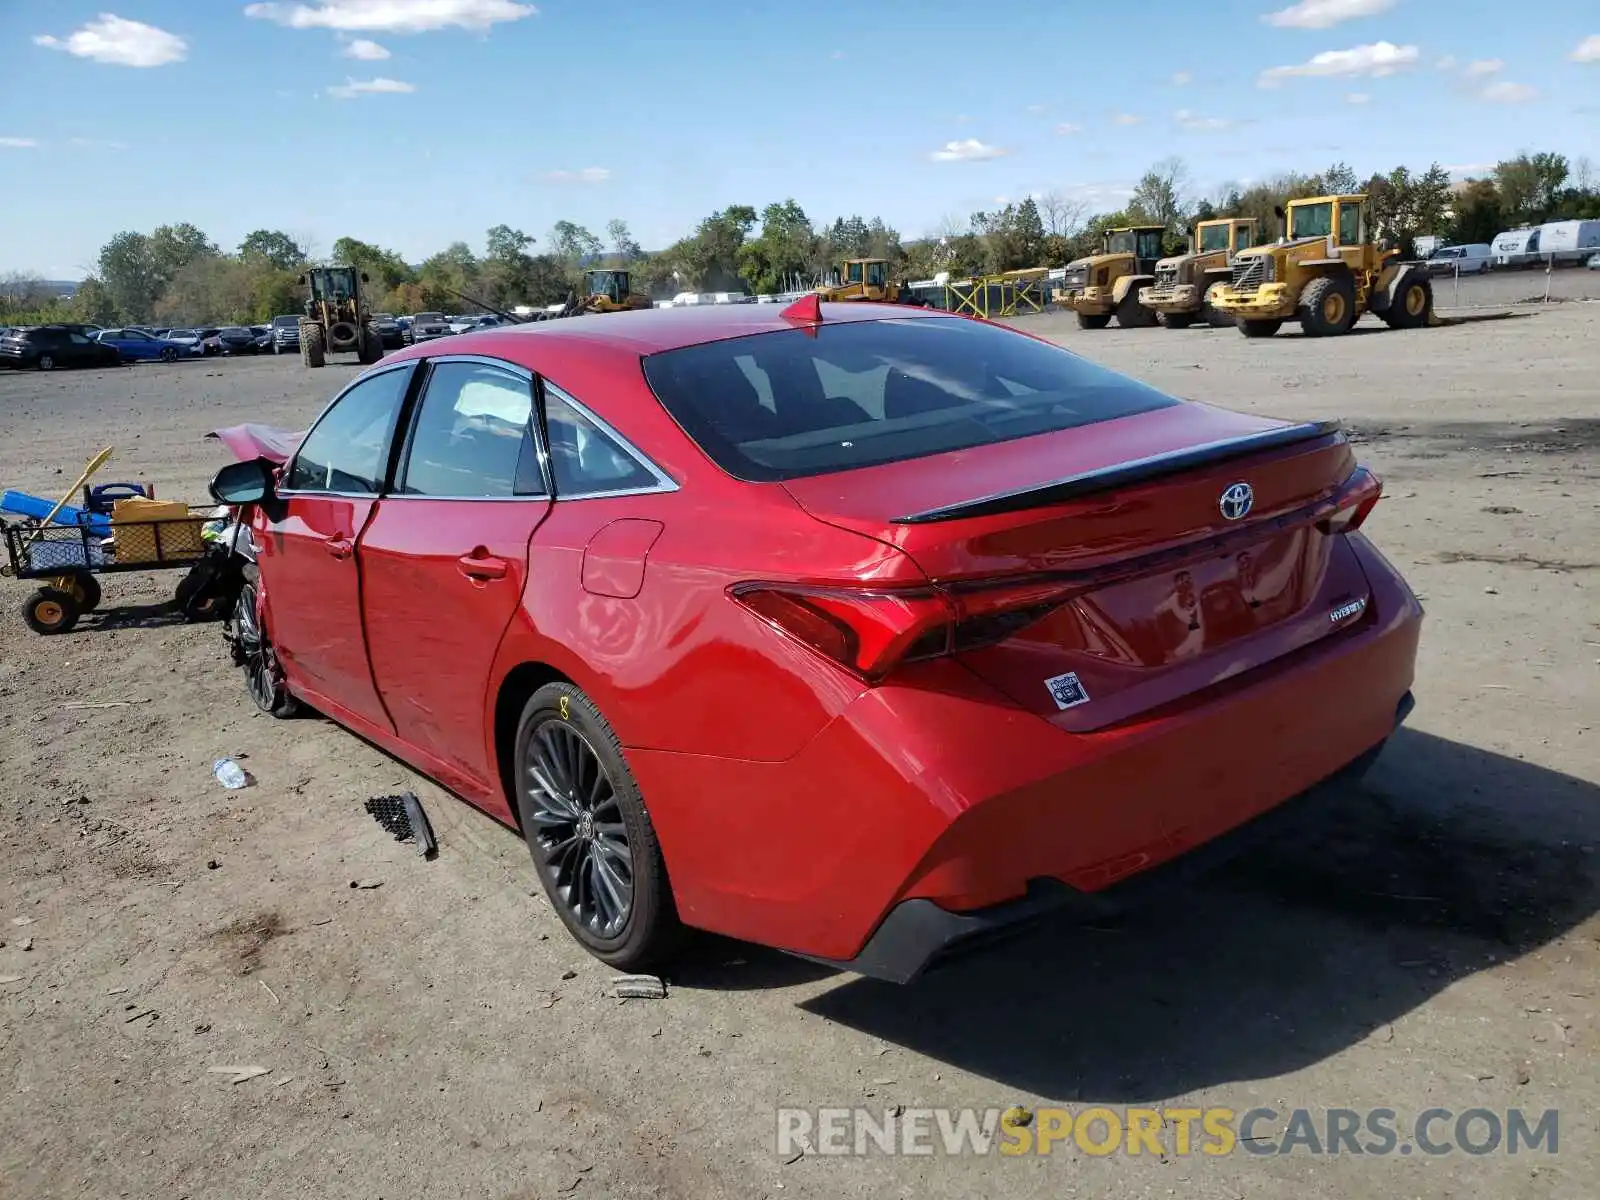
774, 406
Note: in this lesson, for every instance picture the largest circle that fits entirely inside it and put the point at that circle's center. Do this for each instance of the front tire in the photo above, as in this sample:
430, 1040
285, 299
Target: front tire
371, 349
313, 347
1093, 320
1210, 313
169, 354
1178, 320
1259, 329
47, 362
1328, 306
1133, 315
252, 650
1412, 305
50, 610
590, 835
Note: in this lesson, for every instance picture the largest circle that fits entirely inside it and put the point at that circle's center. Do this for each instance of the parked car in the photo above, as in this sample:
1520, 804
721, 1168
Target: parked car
1465, 260
405, 327
50, 346
262, 335
285, 333
858, 637
390, 335
210, 340
187, 341
236, 340
135, 345
428, 325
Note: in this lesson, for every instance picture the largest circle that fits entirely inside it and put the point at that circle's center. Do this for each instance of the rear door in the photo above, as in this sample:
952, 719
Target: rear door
307, 551
445, 558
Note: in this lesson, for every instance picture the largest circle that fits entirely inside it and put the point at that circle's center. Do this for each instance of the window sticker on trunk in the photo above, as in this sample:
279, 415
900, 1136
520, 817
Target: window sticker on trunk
1067, 690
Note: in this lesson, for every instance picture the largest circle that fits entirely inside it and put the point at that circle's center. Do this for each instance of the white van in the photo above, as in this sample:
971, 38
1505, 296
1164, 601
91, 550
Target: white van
1467, 260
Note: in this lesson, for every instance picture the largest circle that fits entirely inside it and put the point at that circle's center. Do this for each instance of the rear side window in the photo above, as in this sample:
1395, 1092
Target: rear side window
473, 437
585, 459
775, 406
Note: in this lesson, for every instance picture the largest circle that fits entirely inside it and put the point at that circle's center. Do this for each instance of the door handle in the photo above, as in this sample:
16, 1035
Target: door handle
340, 547
475, 566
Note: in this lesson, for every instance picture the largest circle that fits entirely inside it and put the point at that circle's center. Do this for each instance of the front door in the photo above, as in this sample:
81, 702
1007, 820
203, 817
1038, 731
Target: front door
307, 553
444, 561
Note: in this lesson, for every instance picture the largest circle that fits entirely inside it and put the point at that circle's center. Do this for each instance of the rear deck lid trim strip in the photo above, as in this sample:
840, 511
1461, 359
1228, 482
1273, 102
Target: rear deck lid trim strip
1137, 470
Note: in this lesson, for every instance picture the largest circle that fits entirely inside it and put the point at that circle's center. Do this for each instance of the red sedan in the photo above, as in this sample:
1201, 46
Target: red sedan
861, 632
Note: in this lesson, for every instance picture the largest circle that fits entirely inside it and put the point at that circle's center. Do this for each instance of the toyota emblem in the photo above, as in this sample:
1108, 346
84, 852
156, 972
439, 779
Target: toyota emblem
1236, 501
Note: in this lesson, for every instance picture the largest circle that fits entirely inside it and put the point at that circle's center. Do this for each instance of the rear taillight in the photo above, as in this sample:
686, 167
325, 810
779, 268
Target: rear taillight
1355, 501
871, 631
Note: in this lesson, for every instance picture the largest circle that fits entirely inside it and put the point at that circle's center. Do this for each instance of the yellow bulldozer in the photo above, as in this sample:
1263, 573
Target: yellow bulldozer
1326, 272
1107, 284
1186, 284
867, 279
607, 290
336, 320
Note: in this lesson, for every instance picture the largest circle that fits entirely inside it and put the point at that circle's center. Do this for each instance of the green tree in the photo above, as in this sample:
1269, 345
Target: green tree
573, 244
174, 247
709, 258
128, 270
1161, 195
1529, 186
386, 270
1340, 180
453, 270
782, 254
92, 303
622, 243
273, 247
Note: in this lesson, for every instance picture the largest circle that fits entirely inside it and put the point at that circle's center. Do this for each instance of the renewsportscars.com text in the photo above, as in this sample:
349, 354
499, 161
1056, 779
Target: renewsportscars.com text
1214, 1132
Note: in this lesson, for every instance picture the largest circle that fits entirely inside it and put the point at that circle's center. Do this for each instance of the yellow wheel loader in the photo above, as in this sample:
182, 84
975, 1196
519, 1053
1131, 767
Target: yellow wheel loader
868, 279
1325, 272
608, 290
1186, 284
337, 320
1107, 284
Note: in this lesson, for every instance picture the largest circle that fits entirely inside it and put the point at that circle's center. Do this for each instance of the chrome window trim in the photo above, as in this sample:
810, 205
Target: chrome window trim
409, 364
663, 481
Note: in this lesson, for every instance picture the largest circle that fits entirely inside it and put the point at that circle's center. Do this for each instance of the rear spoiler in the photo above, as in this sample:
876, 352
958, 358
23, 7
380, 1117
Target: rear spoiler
1139, 470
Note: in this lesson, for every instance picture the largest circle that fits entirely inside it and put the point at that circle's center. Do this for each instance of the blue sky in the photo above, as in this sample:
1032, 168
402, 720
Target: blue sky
125, 114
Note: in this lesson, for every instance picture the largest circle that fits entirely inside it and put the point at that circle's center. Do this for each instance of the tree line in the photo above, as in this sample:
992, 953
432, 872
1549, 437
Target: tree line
177, 274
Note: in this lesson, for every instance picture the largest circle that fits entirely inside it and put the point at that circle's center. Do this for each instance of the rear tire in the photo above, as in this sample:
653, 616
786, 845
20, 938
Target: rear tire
1328, 306
1133, 315
1412, 304
47, 362
371, 347
169, 354
50, 610
1259, 329
1093, 320
589, 832
313, 348
1178, 320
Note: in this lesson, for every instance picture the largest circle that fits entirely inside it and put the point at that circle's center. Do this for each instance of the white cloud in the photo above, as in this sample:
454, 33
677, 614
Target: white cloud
1484, 66
380, 86
1469, 170
1356, 97
366, 51
1127, 119
584, 175
837, 56
1067, 127
111, 39
1324, 14
967, 150
1197, 124
1377, 59
1587, 51
1181, 79
391, 16
963, 119
18, 143
1506, 92
98, 144
1446, 62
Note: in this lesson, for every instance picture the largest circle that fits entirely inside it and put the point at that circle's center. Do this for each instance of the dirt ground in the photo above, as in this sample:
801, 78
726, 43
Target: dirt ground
1430, 940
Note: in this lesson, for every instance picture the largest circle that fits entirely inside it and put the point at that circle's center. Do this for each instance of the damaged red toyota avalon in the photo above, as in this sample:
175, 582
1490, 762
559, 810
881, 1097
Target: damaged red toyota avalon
863, 632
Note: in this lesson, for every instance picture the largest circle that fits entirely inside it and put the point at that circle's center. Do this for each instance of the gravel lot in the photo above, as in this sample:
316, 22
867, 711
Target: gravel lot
1431, 941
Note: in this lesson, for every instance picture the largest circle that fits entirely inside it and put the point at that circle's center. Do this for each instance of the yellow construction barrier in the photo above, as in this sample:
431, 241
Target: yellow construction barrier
1005, 295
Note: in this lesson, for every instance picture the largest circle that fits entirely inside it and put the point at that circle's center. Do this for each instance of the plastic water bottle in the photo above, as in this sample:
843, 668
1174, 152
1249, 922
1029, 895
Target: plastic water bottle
229, 773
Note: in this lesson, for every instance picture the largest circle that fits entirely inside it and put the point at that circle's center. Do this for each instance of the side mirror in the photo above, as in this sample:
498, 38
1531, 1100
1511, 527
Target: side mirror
364, 278
1277, 211
1183, 246
243, 482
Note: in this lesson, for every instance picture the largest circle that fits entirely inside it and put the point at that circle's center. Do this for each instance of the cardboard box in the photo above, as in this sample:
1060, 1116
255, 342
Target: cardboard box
155, 531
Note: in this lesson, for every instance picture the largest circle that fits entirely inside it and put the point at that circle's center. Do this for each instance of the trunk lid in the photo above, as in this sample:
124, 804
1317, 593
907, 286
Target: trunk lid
1129, 585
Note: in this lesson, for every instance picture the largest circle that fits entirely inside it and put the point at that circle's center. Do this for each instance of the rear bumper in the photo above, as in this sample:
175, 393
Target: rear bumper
937, 794
918, 935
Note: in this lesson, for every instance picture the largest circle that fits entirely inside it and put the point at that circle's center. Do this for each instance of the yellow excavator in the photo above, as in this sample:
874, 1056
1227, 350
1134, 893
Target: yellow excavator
868, 279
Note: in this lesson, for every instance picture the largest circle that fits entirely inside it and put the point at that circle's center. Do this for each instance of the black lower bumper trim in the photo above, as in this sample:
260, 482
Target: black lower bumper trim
918, 935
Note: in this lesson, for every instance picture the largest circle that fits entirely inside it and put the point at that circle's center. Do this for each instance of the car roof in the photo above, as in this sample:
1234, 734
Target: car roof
642, 332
